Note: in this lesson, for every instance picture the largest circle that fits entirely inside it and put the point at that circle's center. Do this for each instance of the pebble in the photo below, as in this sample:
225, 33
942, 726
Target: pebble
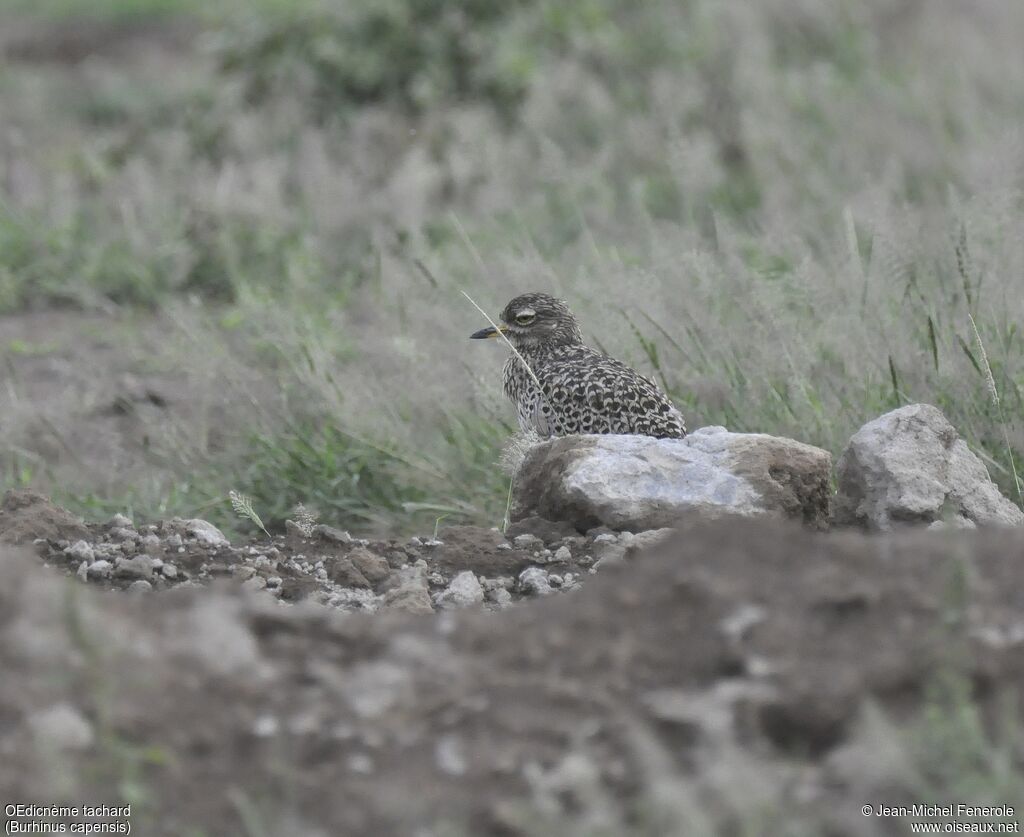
534, 580
169, 571
528, 542
120, 521
100, 569
330, 533
140, 586
81, 550
206, 533
463, 591
83, 571
141, 566
274, 581
562, 554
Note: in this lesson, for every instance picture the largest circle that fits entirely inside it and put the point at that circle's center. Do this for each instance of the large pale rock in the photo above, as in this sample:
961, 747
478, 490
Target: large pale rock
640, 483
911, 466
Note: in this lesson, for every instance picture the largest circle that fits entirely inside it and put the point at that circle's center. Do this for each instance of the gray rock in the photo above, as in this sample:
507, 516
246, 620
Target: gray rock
562, 554
330, 533
528, 542
534, 581
373, 566
169, 571
141, 566
640, 483
412, 593
83, 571
120, 521
61, 727
911, 466
140, 586
463, 591
80, 551
100, 569
344, 573
206, 533
124, 533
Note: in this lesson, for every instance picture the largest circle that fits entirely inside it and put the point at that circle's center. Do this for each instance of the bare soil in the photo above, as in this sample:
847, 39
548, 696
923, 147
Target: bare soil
737, 649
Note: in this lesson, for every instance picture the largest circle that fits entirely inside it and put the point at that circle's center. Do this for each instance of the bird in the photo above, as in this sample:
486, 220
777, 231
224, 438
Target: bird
569, 387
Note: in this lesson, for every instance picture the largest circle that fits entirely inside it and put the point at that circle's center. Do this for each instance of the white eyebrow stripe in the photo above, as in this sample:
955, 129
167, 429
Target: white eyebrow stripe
526, 312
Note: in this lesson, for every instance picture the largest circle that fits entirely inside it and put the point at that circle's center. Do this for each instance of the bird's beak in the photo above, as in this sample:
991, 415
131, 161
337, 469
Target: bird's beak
487, 333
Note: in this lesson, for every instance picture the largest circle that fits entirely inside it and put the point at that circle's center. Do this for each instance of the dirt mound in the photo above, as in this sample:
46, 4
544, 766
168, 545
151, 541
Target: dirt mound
740, 656
26, 515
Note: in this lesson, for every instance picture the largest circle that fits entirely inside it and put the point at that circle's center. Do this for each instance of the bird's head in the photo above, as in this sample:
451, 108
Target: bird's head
535, 319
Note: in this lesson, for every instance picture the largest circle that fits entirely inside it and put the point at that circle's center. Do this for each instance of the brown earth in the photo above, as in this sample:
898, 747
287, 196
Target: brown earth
738, 672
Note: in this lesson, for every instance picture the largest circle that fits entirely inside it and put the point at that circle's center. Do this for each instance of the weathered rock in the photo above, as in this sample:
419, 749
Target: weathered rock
342, 571
535, 581
331, 534
374, 567
80, 551
26, 515
412, 594
202, 530
463, 591
639, 482
141, 566
911, 466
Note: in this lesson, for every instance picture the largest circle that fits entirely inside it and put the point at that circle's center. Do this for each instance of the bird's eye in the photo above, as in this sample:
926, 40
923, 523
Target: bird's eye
525, 317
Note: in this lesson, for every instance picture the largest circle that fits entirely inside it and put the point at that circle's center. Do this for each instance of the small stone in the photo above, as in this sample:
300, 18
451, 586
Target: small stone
373, 567
463, 591
450, 756
534, 580
83, 571
100, 569
151, 544
206, 533
331, 534
414, 541
274, 581
412, 593
562, 554
528, 542
243, 572
141, 566
174, 541
169, 571
501, 597
123, 533
257, 582
120, 521
433, 542
140, 586
606, 537
343, 572
61, 727
555, 580
128, 547
81, 551
609, 554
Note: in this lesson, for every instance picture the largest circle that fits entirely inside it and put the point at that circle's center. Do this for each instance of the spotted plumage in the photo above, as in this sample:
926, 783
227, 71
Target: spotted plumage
581, 390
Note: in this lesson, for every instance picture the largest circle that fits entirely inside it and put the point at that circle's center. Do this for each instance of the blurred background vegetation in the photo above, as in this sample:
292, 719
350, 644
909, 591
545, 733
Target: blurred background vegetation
233, 236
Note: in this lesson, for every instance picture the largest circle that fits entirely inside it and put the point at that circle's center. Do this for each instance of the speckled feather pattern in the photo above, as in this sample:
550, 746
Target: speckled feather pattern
582, 390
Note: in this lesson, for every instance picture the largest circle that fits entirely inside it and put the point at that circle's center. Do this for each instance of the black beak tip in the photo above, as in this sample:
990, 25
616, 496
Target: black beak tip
483, 333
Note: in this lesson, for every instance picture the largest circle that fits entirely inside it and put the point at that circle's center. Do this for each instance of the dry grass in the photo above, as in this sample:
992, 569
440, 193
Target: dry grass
770, 208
